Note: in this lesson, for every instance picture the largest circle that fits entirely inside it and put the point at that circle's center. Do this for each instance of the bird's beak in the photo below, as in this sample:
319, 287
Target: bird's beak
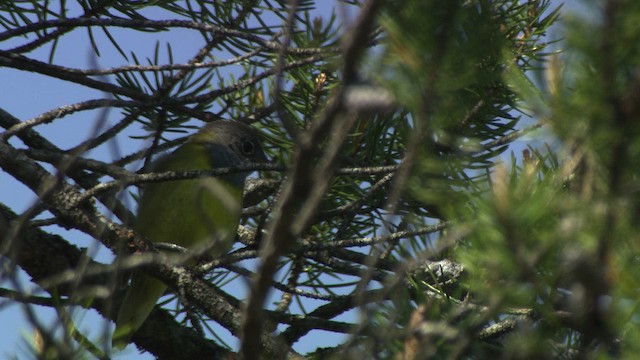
261, 158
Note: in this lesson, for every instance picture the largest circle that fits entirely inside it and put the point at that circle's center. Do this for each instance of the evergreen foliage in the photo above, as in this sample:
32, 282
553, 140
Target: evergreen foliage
448, 180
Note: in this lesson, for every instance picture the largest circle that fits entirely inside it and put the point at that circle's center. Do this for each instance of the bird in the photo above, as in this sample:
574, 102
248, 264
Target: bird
199, 214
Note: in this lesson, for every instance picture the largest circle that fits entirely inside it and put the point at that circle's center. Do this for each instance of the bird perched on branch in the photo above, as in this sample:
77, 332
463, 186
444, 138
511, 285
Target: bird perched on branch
198, 214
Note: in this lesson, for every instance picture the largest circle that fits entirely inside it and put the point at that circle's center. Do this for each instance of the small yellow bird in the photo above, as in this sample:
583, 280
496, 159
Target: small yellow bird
199, 214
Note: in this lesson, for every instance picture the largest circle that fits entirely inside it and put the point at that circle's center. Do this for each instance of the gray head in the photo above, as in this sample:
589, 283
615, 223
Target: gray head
241, 139
231, 143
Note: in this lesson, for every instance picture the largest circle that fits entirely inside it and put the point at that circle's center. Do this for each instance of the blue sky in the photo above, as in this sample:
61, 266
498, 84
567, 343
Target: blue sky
32, 95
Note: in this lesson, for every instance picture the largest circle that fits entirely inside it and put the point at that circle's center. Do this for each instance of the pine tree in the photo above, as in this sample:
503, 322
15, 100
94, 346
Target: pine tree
448, 179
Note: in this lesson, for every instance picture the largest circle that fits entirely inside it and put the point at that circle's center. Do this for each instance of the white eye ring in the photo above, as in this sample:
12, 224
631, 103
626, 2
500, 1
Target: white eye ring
247, 147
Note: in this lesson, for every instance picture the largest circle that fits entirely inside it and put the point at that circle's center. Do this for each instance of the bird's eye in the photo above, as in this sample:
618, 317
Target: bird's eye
247, 147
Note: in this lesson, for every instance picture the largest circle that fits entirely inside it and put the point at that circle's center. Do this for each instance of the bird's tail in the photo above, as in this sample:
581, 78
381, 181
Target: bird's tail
140, 299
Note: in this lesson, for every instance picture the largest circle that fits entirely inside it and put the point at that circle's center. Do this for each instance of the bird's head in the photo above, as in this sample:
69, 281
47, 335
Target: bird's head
230, 143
